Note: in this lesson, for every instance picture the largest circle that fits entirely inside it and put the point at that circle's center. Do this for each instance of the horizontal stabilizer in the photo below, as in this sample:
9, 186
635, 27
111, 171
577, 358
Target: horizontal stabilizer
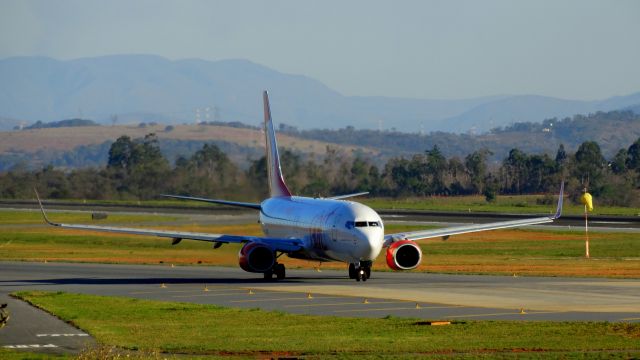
216, 201
339, 197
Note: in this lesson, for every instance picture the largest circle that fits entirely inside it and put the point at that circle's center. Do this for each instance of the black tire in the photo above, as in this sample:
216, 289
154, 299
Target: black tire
352, 271
367, 272
280, 271
268, 275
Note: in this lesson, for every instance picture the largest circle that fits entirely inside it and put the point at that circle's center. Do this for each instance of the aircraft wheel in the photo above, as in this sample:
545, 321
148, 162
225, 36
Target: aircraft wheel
352, 271
280, 271
367, 272
268, 275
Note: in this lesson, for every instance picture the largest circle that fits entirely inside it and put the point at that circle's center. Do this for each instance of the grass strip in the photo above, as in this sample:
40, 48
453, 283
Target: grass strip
514, 204
25, 217
186, 328
517, 204
6, 354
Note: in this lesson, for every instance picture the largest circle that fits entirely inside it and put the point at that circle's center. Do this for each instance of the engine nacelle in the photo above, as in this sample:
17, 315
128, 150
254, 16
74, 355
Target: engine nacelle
404, 255
256, 257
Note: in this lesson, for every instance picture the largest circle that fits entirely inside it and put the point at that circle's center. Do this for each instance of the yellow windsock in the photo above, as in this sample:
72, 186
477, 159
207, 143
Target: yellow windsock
587, 200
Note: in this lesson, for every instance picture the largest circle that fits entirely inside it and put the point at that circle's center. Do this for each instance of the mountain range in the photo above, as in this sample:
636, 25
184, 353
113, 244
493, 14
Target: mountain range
145, 88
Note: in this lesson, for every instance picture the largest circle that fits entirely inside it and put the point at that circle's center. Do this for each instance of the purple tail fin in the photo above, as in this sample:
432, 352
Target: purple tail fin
277, 186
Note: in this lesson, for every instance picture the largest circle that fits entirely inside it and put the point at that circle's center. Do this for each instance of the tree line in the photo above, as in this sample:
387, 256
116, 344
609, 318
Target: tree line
137, 169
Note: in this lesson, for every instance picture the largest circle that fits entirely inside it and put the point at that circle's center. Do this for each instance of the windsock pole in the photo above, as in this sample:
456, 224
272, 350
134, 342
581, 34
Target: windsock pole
586, 232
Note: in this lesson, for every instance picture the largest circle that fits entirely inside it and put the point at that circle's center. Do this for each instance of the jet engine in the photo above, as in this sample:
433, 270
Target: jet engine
403, 255
256, 257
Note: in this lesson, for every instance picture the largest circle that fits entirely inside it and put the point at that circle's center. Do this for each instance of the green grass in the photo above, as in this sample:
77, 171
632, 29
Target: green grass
7, 354
521, 204
212, 330
16, 217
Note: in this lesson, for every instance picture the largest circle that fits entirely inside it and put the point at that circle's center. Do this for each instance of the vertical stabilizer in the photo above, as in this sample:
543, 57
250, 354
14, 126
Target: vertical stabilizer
277, 187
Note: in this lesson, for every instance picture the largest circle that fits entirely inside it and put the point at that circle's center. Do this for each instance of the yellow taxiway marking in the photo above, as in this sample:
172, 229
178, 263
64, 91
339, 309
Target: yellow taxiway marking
516, 312
630, 319
347, 303
396, 308
282, 299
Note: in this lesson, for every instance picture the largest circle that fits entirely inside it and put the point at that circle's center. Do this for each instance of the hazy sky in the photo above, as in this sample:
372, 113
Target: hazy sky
423, 49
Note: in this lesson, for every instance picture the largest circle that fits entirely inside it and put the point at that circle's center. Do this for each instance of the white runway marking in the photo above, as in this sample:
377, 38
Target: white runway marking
30, 346
61, 335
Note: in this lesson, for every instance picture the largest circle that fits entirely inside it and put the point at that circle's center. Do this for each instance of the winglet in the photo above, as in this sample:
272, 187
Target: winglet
44, 215
560, 201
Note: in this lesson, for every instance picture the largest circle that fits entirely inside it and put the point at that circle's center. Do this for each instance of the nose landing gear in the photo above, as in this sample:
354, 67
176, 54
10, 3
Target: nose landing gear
360, 272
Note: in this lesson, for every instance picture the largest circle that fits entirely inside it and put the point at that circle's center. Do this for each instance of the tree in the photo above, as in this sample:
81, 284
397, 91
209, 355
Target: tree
257, 177
516, 171
436, 169
213, 165
476, 165
619, 163
138, 166
633, 153
589, 165
121, 153
150, 168
633, 159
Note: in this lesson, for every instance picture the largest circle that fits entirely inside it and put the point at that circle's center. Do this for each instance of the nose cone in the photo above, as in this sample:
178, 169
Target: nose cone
370, 244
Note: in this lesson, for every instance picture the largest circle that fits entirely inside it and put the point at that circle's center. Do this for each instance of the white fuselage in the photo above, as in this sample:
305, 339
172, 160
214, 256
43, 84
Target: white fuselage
331, 230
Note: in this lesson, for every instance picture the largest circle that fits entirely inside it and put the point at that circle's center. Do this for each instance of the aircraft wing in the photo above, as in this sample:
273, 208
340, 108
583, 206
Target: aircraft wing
456, 230
278, 244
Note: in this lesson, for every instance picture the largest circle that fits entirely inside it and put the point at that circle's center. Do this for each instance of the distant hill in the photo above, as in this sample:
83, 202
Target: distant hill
530, 108
142, 88
612, 130
61, 123
88, 146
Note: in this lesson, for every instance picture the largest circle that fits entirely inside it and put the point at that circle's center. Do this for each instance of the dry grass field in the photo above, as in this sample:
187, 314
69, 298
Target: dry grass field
63, 139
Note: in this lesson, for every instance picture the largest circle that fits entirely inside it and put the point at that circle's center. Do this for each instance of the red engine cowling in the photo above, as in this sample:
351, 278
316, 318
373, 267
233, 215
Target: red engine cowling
256, 257
404, 255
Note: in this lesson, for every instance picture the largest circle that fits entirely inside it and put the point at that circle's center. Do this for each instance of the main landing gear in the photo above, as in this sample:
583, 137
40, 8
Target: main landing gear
278, 270
360, 272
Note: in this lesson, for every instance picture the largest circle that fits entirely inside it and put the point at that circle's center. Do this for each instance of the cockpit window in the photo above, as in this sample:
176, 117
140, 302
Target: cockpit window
352, 224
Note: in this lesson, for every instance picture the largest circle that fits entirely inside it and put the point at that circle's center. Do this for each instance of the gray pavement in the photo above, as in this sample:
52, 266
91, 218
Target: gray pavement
406, 294
33, 330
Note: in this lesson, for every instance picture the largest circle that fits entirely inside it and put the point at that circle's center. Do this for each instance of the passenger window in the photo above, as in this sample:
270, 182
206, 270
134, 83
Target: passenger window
373, 223
361, 223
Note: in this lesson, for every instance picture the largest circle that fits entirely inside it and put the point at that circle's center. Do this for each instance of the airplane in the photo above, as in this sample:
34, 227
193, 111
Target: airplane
317, 229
